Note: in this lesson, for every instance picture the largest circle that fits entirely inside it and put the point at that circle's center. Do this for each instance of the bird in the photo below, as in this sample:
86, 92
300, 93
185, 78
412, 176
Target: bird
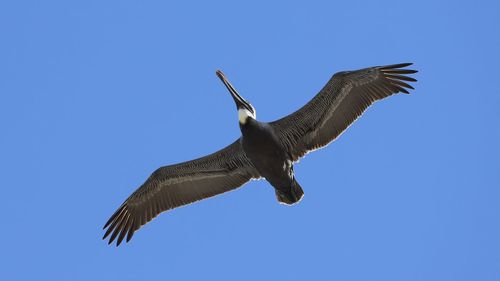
265, 150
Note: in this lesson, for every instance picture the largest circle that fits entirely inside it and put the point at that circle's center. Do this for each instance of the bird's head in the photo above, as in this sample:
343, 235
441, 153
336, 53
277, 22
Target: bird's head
245, 109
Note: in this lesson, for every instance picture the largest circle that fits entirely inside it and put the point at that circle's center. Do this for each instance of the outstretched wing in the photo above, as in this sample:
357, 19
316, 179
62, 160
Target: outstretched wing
343, 99
176, 185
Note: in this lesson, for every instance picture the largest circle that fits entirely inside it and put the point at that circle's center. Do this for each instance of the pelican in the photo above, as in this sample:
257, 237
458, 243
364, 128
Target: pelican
264, 150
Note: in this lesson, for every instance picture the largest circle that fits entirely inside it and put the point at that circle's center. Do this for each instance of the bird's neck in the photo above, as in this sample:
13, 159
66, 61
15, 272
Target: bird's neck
244, 115
249, 128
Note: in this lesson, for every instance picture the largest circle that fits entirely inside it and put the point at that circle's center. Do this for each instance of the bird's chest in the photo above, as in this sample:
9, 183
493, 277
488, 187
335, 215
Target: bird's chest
263, 148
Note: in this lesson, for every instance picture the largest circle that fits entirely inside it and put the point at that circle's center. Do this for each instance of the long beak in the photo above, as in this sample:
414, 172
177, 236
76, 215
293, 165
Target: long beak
240, 102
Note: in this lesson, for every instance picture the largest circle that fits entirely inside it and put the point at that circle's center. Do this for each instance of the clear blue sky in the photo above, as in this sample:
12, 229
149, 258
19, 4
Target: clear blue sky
95, 95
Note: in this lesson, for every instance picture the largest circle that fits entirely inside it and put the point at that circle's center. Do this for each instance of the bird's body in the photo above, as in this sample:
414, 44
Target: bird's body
265, 150
262, 146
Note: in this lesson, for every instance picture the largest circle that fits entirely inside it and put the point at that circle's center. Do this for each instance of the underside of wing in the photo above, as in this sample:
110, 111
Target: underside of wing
342, 100
176, 185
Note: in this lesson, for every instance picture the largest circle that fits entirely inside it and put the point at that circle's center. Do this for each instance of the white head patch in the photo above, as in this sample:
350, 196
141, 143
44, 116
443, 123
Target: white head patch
243, 114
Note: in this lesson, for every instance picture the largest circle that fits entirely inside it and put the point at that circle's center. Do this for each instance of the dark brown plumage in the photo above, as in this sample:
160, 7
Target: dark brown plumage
341, 101
176, 185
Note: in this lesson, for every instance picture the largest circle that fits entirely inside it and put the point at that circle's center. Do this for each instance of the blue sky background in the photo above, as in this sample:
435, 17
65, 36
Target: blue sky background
95, 95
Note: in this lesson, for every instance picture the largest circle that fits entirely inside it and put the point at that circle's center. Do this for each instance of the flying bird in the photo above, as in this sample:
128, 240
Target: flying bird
264, 150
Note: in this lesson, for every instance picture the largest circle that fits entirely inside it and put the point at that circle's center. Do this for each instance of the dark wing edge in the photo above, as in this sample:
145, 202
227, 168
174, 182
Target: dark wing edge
181, 184
341, 101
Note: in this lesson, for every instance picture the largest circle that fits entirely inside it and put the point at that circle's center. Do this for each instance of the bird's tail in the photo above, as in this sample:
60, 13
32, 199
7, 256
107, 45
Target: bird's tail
292, 195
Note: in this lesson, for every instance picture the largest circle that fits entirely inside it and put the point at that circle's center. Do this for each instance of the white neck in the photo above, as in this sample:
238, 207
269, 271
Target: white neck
243, 114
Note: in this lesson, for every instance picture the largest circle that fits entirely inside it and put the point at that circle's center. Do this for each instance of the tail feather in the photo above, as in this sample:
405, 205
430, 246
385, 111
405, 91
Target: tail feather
292, 195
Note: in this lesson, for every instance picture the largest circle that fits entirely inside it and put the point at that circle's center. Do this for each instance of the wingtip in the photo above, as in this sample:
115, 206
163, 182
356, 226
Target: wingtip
398, 71
405, 64
129, 235
396, 75
399, 68
107, 223
398, 65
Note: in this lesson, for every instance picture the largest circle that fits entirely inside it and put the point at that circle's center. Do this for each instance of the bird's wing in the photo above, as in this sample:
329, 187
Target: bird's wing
341, 101
176, 185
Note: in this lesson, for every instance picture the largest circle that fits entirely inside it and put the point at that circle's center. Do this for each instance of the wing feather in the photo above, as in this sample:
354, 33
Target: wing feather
176, 185
341, 101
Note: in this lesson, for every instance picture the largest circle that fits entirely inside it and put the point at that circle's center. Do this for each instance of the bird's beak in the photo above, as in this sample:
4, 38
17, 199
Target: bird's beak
240, 102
